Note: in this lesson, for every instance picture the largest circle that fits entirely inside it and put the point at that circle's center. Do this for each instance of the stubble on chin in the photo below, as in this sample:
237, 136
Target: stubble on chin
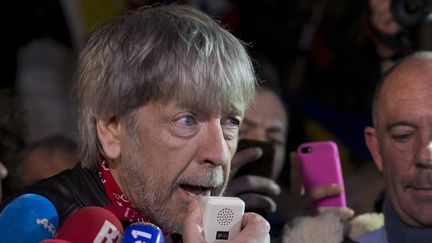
160, 204
177, 211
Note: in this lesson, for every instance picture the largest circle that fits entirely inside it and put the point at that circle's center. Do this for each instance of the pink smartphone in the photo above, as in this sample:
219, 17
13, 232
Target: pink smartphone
320, 165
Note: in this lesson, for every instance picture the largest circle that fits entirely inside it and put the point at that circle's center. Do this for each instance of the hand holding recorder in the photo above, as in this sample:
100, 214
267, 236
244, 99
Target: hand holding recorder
218, 219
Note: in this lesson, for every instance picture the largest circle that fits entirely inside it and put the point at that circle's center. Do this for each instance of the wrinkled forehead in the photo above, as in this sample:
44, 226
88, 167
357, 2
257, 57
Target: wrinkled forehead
210, 86
209, 98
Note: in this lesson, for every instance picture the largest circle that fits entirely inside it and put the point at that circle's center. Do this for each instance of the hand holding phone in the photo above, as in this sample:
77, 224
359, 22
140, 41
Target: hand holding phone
319, 166
263, 166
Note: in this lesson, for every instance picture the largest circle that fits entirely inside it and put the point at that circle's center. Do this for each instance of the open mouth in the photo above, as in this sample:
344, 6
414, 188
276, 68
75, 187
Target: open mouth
196, 190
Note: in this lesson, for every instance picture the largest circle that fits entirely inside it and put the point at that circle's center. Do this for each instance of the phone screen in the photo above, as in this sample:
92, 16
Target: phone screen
262, 166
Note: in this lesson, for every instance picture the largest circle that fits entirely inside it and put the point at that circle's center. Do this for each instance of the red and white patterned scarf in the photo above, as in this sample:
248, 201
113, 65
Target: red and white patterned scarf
120, 204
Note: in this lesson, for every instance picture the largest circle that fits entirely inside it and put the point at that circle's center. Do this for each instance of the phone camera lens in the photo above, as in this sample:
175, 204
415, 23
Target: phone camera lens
306, 150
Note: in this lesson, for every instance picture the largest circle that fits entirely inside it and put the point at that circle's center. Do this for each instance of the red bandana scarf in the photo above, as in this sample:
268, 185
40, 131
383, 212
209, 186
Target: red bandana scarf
120, 204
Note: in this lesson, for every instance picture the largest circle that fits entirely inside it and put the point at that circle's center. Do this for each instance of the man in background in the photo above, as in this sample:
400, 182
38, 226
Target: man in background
400, 142
266, 120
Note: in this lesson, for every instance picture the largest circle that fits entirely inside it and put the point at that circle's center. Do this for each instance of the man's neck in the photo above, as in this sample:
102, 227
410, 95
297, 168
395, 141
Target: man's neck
400, 232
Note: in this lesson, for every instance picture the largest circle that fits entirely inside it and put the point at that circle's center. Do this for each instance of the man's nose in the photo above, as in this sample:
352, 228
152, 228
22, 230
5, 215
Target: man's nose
214, 147
425, 156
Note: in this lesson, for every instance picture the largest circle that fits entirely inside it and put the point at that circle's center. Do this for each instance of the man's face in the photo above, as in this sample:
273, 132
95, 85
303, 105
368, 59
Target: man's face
174, 154
404, 141
266, 120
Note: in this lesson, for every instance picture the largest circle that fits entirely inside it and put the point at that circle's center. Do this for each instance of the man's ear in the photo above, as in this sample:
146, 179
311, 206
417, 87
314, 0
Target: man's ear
109, 137
373, 146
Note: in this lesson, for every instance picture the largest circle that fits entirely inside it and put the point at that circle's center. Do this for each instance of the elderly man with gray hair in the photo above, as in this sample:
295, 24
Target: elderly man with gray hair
160, 92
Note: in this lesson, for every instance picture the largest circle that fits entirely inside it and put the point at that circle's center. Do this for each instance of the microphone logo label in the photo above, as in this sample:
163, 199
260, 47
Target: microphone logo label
108, 233
141, 234
47, 225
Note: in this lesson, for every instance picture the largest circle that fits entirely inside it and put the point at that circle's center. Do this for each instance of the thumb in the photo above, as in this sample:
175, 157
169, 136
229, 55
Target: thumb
192, 224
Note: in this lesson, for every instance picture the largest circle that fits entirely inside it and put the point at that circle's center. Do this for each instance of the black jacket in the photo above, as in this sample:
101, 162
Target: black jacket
69, 191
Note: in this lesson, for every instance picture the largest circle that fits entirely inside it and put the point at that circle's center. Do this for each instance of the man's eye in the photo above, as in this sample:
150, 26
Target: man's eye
185, 125
231, 122
401, 138
187, 120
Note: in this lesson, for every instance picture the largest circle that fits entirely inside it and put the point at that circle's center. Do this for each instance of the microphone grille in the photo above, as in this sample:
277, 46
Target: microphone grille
225, 216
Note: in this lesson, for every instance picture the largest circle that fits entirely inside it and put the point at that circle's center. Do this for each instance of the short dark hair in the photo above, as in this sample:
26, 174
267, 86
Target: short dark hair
419, 55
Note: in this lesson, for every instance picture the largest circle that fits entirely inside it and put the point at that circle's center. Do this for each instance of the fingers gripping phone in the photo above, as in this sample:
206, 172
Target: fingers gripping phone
262, 166
320, 165
222, 217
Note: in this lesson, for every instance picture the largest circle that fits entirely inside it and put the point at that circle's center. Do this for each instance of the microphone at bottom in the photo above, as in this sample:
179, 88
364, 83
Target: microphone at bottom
91, 224
143, 233
28, 218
